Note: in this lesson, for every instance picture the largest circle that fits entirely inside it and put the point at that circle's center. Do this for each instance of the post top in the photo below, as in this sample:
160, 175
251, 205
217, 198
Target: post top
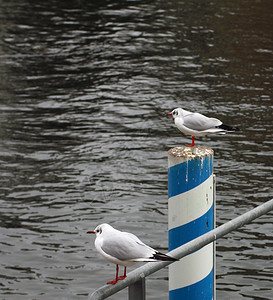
190, 152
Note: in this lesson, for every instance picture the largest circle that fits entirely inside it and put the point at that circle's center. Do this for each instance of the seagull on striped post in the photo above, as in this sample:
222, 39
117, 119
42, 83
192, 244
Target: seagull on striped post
124, 248
196, 124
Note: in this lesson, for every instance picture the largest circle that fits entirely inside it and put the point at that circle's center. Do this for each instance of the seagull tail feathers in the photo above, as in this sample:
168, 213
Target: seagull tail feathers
228, 128
163, 257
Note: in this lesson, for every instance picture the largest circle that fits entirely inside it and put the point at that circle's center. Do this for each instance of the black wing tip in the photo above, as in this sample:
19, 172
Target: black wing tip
228, 128
163, 257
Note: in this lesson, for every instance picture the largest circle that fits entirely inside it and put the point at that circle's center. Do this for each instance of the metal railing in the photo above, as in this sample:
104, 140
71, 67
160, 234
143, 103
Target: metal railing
136, 279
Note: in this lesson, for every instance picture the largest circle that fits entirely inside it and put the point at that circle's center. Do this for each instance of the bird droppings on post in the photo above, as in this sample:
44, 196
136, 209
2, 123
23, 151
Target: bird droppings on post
190, 152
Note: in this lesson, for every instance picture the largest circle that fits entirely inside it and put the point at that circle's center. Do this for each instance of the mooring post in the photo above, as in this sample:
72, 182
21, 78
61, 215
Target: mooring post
191, 214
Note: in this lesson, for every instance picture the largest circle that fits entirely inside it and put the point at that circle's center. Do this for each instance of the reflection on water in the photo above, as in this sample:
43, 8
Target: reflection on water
85, 88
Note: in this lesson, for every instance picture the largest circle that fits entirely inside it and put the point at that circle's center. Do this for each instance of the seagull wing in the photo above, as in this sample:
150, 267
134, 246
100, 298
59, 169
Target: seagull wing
196, 121
126, 246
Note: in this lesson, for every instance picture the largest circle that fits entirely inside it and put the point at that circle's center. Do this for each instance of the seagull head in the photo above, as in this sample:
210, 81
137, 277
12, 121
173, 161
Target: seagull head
176, 113
100, 229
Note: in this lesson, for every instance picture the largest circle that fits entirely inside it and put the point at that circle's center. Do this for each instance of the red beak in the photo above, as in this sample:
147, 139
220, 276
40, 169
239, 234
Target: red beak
169, 114
90, 231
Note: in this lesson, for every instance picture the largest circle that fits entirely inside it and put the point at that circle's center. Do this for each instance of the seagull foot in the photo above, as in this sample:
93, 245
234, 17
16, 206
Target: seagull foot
122, 277
112, 282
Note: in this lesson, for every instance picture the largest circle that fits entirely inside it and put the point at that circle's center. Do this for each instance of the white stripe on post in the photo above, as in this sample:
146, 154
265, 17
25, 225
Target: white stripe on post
191, 214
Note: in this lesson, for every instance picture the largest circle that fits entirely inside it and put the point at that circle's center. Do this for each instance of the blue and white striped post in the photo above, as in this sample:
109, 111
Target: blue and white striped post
191, 214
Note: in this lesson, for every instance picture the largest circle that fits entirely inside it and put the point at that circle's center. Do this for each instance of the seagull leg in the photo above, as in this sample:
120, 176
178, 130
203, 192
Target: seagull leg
192, 142
116, 280
124, 275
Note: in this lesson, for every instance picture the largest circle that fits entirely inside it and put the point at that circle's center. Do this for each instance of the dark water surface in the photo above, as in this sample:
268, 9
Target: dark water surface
84, 91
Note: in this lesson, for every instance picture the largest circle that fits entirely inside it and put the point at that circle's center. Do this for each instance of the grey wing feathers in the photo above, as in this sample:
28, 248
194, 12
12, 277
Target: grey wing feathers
200, 122
127, 247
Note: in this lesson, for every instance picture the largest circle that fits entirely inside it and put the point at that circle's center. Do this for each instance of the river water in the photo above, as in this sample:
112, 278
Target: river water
84, 91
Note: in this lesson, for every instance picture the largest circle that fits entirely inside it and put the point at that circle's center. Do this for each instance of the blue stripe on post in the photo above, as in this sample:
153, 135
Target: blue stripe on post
188, 175
202, 289
182, 234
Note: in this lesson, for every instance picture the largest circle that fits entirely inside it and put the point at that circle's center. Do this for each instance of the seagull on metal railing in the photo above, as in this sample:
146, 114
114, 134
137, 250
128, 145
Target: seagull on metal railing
124, 248
196, 124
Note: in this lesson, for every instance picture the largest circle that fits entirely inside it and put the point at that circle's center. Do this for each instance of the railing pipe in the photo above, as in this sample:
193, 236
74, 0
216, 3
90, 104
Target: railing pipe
149, 268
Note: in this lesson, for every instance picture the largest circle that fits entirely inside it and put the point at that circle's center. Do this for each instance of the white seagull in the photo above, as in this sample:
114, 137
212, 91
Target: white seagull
124, 248
196, 124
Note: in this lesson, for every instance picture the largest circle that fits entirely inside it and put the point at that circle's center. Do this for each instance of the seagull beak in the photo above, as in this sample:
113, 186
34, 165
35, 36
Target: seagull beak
169, 114
91, 231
